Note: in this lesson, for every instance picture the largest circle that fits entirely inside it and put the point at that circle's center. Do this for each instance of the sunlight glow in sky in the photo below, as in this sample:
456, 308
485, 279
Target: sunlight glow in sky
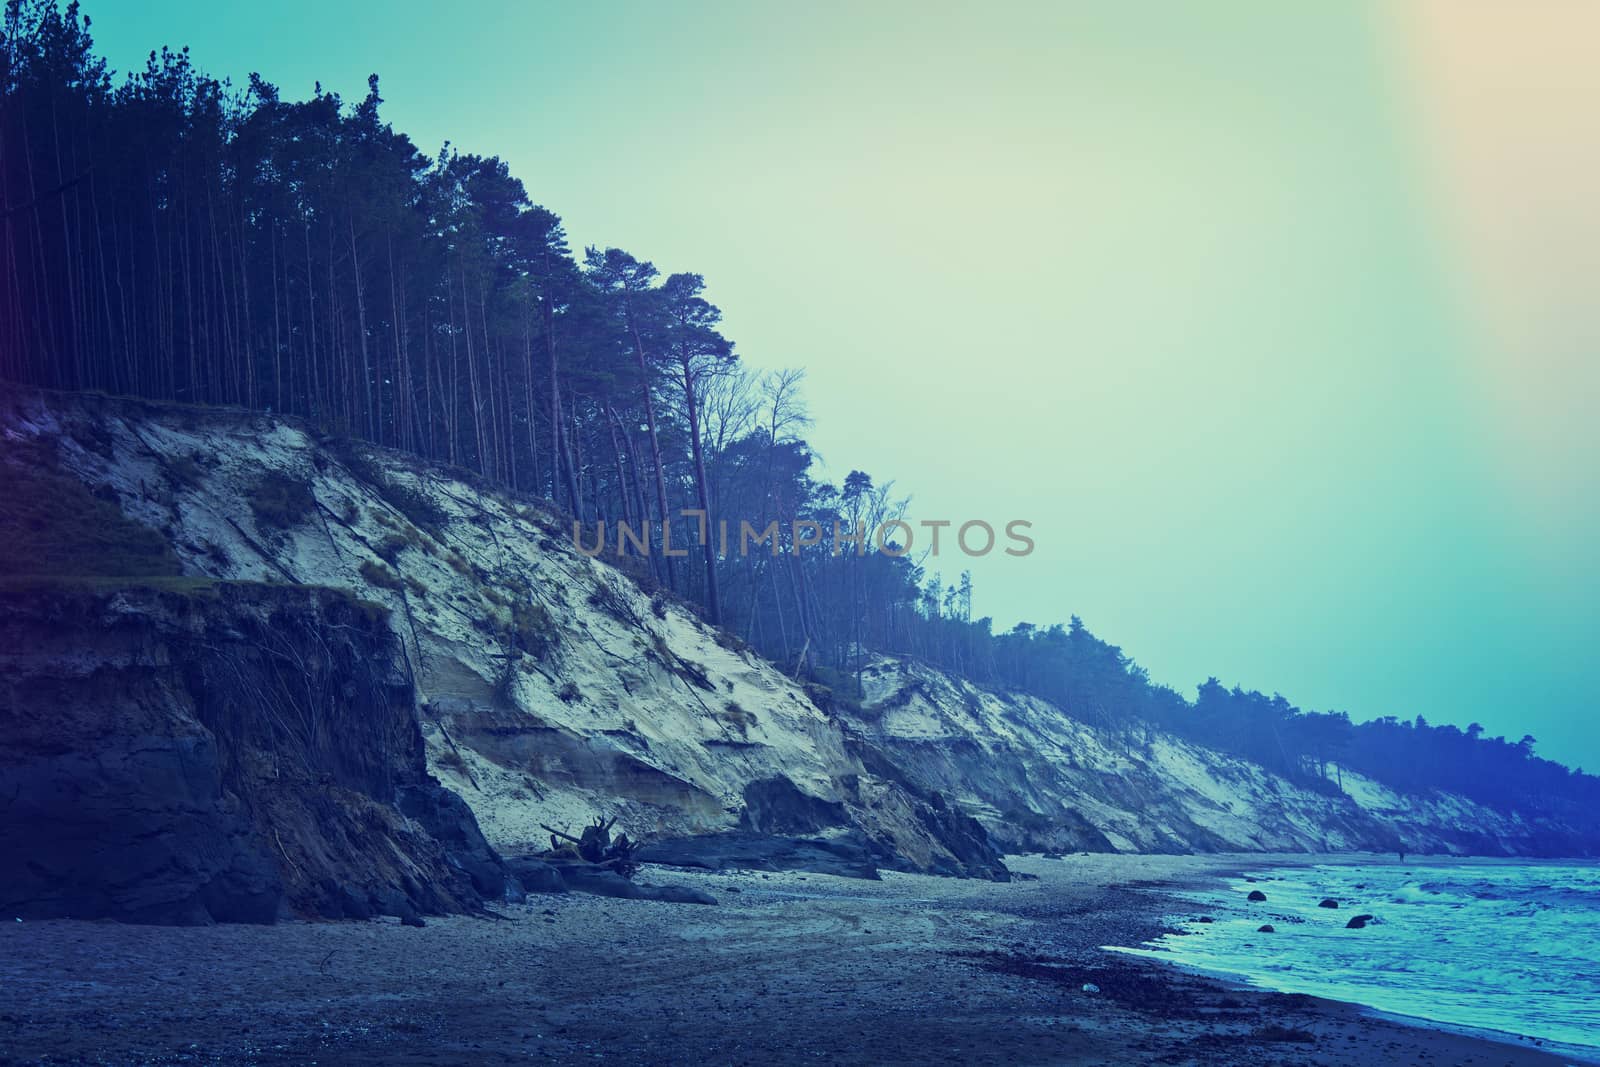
1276, 320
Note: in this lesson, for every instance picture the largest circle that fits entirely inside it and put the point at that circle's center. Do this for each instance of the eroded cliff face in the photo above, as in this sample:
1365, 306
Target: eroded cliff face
550, 687
1038, 779
185, 751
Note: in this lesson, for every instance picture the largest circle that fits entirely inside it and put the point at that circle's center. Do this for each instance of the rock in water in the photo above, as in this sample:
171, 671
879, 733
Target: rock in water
1327, 902
1359, 922
1256, 895
1266, 928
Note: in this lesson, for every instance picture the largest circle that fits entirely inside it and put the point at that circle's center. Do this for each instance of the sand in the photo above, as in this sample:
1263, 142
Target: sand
787, 969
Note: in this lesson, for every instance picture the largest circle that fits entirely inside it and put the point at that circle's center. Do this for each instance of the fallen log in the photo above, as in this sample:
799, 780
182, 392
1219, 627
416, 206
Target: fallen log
595, 846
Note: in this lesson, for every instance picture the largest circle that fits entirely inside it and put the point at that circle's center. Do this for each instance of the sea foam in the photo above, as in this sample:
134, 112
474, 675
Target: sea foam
1508, 947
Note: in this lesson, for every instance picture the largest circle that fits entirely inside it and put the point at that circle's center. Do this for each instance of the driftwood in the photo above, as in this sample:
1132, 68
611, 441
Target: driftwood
594, 846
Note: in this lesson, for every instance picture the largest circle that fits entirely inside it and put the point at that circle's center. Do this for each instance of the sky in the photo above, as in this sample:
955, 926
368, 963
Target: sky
1276, 321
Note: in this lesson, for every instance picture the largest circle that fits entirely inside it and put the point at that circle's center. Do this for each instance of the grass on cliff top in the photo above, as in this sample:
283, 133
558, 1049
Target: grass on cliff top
56, 535
99, 585
50, 524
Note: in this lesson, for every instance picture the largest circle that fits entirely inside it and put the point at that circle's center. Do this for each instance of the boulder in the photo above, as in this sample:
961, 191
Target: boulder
1256, 895
1327, 902
1359, 922
536, 875
1266, 928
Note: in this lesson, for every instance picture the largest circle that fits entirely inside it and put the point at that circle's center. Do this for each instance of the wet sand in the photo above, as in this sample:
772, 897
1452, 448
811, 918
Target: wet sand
787, 969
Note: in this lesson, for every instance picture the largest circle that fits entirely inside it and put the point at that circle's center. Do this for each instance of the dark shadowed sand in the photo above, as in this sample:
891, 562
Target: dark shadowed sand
787, 969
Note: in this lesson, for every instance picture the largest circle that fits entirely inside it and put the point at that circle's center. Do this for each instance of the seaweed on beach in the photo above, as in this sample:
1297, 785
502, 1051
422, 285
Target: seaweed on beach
1129, 985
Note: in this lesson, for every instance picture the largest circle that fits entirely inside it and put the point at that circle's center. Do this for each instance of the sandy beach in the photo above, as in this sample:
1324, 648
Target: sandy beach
788, 968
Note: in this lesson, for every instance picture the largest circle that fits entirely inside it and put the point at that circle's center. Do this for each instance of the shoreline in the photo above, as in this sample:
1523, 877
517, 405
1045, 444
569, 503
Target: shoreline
1271, 862
787, 968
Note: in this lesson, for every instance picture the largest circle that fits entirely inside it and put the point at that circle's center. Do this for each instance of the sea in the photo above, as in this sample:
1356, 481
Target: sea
1512, 948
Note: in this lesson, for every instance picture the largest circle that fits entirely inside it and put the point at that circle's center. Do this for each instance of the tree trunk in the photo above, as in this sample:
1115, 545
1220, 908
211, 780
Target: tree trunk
655, 441
703, 500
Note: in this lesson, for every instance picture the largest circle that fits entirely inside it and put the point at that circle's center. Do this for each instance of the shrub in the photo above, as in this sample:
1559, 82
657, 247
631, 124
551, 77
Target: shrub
736, 717
422, 512
279, 502
186, 471
451, 761
820, 695
392, 545
695, 674
532, 629
413, 505
505, 684
376, 574
219, 555
638, 569
841, 687
613, 603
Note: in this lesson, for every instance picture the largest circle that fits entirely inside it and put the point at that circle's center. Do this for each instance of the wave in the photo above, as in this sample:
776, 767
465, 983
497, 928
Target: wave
1507, 947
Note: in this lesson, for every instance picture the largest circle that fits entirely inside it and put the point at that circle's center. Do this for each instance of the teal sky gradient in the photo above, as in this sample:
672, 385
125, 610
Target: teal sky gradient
1164, 279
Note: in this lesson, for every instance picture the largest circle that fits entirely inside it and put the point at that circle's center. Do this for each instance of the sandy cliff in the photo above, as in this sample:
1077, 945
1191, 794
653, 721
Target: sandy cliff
546, 687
